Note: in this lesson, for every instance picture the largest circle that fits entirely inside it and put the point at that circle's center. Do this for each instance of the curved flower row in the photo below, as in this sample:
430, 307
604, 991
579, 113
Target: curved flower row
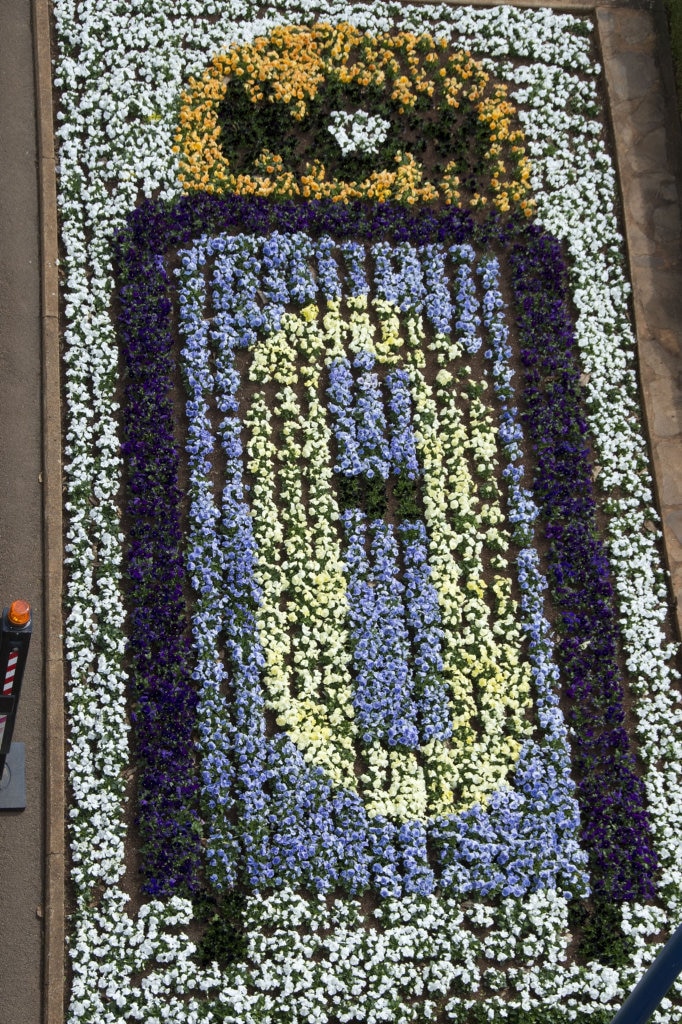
444, 570
284, 74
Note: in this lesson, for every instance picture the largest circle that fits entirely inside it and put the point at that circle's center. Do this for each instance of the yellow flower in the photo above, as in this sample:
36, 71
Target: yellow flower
294, 61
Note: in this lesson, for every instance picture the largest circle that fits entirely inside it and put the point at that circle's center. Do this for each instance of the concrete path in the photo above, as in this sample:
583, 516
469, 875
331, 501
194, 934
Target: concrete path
31, 841
649, 155
646, 125
21, 562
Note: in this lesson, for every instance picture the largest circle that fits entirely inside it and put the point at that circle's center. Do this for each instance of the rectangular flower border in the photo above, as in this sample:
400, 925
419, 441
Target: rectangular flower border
611, 797
100, 179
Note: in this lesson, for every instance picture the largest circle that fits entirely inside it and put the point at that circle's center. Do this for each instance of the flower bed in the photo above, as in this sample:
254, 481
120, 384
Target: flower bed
384, 775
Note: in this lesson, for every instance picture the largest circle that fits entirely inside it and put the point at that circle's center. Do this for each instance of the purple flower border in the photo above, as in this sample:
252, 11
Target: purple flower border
615, 828
614, 822
163, 700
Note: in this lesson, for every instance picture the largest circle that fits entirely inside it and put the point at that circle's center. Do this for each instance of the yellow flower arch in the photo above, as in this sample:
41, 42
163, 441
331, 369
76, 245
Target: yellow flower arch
290, 64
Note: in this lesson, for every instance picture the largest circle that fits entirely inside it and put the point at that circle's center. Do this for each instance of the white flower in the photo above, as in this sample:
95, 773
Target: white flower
117, 65
358, 132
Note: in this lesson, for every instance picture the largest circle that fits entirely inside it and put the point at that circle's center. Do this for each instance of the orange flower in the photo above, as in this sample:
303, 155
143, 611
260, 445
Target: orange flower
295, 60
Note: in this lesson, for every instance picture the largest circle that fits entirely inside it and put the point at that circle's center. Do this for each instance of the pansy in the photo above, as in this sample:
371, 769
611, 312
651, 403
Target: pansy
358, 131
121, 75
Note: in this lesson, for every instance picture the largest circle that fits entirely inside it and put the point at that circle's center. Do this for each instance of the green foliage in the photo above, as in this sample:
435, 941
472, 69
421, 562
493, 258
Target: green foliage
375, 497
348, 490
247, 128
540, 1016
407, 498
601, 937
224, 939
582, 28
370, 495
434, 133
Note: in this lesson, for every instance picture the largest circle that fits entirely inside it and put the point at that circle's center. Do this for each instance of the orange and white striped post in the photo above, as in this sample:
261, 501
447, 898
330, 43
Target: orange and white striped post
15, 636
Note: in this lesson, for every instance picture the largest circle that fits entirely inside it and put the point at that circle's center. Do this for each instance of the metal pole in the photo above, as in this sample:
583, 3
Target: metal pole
652, 987
15, 636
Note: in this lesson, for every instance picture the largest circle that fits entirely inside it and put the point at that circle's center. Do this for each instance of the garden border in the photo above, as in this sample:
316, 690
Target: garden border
650, 189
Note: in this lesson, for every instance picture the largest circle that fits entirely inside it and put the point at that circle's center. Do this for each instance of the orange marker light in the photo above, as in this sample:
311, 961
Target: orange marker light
19, 613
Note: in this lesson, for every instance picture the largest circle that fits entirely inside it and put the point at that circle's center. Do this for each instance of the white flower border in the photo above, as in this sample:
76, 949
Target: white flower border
121, 67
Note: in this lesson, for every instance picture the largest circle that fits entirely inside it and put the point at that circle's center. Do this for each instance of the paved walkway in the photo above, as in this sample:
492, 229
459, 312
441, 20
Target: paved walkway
649, 152
21, 575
